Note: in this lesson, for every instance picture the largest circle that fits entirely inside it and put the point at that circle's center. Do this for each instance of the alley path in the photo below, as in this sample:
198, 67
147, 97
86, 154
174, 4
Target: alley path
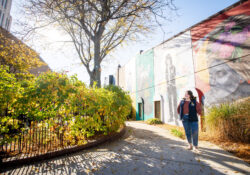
144, 149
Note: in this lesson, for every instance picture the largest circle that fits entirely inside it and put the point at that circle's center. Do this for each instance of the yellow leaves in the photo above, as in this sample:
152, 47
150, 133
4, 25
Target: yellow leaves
15, 53
107, 52
120, 108
100, 110
89, 111
121, 22
140, 26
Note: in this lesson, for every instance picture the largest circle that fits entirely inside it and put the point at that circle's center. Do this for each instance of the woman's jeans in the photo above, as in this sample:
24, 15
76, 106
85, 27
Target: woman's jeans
191, 130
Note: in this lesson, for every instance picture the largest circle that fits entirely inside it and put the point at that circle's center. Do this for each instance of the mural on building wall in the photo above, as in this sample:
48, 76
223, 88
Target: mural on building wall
212, 59
145, 83
174, 72
222, 56
160, 81
171, 88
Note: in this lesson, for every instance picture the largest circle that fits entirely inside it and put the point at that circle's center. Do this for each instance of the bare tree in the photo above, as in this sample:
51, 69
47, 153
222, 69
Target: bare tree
97, 27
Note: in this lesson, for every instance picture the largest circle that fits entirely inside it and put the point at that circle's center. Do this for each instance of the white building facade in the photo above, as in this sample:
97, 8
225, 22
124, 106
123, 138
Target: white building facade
211, 58
5, 18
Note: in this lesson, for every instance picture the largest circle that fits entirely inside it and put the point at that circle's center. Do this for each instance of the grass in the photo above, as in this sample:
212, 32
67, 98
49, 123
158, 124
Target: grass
177, 133
227, 125
153, 121
239, 149
230, 121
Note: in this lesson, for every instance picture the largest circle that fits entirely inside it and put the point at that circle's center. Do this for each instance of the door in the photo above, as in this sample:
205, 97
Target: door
140, 110
158, 110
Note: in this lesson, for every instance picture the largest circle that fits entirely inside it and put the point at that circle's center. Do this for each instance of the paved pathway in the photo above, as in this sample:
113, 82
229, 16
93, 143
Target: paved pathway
143, 150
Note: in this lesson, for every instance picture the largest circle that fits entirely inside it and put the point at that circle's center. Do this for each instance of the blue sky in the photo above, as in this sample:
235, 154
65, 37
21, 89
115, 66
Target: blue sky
189, 12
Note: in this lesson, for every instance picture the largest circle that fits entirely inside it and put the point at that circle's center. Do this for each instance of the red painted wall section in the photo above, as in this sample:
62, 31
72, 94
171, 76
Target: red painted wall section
206, 27
221, 54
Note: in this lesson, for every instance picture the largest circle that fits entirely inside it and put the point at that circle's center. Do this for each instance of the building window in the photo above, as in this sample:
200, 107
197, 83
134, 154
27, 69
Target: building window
5, 5
3, 2
2, 20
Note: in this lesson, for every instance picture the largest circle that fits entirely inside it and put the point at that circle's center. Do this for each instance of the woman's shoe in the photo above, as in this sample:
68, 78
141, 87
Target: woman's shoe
196, 149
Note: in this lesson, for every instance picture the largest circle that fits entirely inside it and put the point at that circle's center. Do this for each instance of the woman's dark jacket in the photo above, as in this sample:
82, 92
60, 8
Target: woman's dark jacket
192, 110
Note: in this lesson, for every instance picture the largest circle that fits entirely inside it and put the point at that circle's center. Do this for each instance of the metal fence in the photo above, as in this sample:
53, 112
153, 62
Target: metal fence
37, 139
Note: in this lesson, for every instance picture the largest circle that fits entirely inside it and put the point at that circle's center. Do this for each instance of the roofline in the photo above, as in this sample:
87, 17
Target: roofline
207, 19
10, 35
13, 37
189, 28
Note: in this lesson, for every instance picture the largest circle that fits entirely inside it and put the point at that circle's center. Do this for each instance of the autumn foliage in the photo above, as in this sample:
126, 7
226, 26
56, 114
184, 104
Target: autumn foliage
230, 121
53, 98
16, 55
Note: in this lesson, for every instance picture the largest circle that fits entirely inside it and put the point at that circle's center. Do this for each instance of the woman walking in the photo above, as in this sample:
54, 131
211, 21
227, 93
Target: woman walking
188, 110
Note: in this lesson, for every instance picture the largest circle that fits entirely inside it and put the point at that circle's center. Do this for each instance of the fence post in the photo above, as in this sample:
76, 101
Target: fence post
19, 143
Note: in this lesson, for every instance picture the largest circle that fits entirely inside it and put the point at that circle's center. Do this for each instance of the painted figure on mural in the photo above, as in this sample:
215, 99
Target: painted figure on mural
171, 89
225, 83
226, 50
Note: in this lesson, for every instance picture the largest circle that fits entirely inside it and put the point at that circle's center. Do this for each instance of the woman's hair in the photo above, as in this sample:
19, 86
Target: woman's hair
190, 93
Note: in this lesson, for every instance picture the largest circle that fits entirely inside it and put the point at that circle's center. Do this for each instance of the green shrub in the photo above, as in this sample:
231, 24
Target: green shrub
177, 133
46, 97
121, 102
229, 121
52, 98
10, 90
153, 121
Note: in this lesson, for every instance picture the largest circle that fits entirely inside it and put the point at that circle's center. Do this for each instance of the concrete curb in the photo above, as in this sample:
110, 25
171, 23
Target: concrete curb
30, 160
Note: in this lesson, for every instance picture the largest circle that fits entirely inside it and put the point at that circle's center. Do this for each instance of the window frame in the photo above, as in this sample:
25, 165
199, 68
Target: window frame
2, 20
6, 3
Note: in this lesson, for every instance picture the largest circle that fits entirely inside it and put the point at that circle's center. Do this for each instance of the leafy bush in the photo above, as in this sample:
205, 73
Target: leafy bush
54, 98
121, 101
230, 121
153, 121
10, 90
177, 133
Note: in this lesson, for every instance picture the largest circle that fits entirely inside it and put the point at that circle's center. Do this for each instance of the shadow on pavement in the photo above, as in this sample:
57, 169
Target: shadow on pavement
140, 151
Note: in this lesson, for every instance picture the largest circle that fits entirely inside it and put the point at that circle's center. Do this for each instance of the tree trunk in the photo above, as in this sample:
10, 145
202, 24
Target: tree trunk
96, 73
95, 76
